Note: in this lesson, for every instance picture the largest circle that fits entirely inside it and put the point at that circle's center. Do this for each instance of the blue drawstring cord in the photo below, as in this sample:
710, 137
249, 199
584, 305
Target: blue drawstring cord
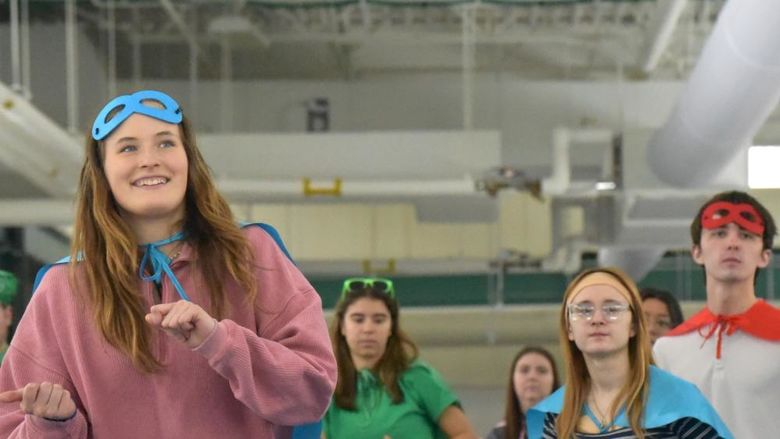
160, 262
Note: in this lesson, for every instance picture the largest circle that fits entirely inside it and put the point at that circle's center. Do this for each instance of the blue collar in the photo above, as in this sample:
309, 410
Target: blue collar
670, 398
160, 262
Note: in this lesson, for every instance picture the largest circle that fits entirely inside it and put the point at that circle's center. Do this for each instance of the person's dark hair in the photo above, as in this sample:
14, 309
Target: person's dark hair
400, 352
513, 414
672, 305
738, 197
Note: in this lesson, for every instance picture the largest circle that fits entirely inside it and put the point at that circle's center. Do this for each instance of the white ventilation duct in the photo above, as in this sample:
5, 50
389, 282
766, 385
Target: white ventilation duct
731, 91
635, 261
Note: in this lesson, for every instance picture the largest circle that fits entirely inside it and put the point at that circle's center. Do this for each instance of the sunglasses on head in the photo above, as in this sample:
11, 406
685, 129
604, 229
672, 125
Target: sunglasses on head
358, 284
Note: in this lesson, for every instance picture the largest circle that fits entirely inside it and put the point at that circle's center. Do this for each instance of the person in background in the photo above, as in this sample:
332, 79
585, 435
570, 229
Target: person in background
532, 377
612, 389
9, 286
169, 320
731, 348
662, 312
383, 390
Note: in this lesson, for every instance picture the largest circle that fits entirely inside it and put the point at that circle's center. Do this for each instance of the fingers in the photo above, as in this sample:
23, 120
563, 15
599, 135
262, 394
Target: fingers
11, 395
163, 308
181, 316
47, 400
154, 318
183, 320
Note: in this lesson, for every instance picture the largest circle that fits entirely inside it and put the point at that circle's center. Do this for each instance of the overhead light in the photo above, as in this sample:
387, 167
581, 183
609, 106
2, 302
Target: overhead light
762, 167
230, 24
605, 185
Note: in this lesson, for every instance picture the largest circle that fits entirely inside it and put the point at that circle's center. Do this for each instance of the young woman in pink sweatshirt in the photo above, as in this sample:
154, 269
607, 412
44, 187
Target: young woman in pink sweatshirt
170, 320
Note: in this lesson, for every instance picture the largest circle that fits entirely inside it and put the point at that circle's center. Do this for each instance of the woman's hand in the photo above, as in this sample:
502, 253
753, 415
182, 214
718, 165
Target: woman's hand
45, 400
182, 320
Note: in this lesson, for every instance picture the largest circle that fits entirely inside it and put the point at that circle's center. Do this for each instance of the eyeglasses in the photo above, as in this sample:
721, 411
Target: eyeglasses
356, 284
585, 311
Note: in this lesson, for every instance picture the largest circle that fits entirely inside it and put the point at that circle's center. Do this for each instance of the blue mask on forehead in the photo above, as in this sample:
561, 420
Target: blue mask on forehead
134, 104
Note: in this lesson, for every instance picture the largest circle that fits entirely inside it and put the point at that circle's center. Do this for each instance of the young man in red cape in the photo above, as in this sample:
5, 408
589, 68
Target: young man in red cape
731, 348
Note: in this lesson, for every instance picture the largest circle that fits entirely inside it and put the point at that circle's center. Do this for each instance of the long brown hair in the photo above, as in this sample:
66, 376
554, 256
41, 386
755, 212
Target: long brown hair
110, 253
513, 413
400, 351
634, 391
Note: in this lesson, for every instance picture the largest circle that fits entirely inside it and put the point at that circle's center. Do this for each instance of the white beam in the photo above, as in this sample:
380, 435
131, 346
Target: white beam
660, 31
43, 212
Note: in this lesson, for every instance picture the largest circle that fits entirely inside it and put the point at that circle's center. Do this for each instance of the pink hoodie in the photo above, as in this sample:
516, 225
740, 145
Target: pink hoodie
261, 370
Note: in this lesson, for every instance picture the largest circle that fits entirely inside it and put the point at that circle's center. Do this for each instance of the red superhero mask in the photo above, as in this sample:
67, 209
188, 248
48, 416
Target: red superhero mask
720, 213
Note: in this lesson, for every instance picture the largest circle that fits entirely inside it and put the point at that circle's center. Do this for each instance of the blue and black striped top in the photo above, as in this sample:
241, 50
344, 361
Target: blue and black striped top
683, 428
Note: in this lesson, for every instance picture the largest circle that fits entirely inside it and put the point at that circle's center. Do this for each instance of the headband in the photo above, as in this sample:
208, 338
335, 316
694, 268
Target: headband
136, 103
600, 278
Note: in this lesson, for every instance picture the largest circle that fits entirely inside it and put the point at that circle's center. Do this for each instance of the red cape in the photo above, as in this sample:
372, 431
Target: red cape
762, 320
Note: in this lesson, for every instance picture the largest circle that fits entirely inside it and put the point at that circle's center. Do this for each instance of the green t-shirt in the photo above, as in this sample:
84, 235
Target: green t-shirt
426, 396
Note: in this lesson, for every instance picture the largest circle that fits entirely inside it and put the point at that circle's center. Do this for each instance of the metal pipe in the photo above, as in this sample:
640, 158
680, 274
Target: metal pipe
468, 53
255, 189
662, 27
34, 212
178, 21
226, 91
194, 60
111, 31
71, 62
25, 52
16, 66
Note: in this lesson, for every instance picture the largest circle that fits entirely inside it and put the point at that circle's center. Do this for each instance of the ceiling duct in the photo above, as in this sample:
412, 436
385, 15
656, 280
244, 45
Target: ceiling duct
731, 91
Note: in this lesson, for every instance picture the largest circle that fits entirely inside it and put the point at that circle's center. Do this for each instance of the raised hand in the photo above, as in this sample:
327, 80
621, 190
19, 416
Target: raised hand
182, 320
45, 400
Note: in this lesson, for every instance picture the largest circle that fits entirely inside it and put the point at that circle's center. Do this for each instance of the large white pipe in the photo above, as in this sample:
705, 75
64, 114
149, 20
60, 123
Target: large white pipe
731, 91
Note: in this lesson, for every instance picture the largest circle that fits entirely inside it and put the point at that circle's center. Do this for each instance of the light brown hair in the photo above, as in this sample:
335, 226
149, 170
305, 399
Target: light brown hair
513, 412
110, 254
633, 394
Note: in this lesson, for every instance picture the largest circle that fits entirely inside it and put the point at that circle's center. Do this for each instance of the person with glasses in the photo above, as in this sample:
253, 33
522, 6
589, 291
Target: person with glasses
731, 348
662, 312
170, 320
612, 389
383, 390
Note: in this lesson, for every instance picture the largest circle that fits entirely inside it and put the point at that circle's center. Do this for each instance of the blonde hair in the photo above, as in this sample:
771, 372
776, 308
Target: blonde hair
110, 254
634, 391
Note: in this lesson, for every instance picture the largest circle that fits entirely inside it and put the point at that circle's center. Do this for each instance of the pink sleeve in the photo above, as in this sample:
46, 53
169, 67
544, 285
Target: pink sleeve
287, 373
39, 362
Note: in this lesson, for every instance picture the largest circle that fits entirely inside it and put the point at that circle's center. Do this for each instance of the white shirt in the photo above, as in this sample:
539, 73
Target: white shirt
743, 385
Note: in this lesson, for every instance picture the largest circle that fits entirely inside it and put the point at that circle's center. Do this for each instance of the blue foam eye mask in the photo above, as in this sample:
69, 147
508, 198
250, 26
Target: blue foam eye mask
134, 104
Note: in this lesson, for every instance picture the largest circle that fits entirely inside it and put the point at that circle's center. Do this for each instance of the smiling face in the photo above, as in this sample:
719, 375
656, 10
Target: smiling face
145, 164
600, 335
532, 379
730, 254
367, 326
